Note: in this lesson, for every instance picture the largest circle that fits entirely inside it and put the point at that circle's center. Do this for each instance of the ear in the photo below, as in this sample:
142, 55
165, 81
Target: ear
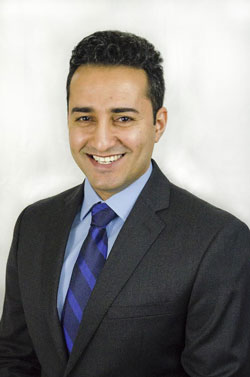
160, 123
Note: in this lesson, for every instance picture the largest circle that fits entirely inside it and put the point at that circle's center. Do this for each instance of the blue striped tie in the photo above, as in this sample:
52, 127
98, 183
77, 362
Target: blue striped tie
89, 264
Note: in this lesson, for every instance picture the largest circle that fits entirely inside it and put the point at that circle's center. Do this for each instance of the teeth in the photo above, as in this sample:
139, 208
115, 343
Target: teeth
107, 160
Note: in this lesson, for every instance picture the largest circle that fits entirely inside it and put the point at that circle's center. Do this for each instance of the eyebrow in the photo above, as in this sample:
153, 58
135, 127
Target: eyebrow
115, 110
81, 110
124, 110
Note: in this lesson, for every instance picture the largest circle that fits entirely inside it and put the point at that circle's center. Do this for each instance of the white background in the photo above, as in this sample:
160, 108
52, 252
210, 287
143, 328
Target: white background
206, 47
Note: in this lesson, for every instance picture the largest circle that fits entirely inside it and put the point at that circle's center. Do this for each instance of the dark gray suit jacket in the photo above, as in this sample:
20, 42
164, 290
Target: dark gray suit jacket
172, 300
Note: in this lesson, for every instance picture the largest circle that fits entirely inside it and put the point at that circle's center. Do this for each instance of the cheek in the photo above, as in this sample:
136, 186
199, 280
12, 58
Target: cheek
142, 141
134, 140
77, 138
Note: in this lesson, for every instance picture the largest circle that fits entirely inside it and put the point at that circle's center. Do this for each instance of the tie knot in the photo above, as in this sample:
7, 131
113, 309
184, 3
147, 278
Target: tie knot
102, 214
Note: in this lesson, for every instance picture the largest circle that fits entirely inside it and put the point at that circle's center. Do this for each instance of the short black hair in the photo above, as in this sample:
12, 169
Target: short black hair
116, 48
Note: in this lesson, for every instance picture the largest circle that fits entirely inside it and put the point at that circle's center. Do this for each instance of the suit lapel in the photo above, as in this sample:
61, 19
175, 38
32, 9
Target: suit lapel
56, 239
140, 230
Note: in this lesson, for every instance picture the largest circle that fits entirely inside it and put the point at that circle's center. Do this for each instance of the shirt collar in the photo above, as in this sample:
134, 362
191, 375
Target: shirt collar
121, 203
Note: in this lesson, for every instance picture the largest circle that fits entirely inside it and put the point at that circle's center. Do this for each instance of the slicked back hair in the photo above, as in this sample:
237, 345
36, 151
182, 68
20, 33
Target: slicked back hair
116, 48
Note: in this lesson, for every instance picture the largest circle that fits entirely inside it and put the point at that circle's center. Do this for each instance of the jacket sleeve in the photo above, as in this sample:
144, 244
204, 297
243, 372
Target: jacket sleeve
17, 355
218, 322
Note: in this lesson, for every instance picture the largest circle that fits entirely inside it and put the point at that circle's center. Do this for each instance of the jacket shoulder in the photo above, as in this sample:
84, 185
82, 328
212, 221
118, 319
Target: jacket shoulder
196, 212
55, 201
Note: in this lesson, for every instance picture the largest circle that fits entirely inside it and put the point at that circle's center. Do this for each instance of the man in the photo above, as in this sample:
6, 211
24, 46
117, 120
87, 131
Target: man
172, 298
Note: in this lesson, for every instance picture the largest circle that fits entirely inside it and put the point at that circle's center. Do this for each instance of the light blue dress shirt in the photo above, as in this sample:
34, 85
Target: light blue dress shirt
121, 203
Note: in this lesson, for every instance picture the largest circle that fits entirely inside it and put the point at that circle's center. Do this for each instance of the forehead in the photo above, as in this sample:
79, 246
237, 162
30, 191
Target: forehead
120, 82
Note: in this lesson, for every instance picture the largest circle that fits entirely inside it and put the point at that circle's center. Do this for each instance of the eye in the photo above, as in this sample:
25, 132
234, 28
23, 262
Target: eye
83, 118
124, 119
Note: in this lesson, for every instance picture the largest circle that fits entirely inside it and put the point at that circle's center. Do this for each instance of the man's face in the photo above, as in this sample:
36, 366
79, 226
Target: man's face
111, 128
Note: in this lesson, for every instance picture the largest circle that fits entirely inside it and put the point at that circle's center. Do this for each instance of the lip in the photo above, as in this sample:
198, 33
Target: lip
105, 166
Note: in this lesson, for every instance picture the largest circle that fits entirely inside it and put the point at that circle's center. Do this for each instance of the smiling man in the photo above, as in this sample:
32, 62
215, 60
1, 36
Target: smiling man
111, 126
125, 275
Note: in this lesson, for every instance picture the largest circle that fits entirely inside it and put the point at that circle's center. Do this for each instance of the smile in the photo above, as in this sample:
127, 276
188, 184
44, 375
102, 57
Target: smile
106, 160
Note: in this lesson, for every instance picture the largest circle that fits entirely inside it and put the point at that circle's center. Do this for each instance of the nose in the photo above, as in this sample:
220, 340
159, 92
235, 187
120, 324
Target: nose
103, 137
